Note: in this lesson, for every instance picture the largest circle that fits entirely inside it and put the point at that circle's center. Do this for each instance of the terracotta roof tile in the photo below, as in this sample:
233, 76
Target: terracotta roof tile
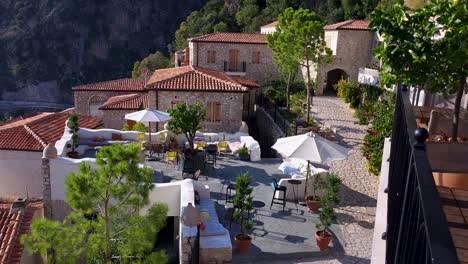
191, 78
272, 24
33, 134
231, 37
350, 25
127, 84
13, 224
126, 102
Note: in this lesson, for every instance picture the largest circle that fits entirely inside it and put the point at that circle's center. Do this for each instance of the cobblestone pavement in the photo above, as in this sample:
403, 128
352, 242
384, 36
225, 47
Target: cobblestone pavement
356, 213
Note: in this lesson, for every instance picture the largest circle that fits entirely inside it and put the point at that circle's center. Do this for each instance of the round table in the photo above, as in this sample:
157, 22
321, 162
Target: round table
294, 184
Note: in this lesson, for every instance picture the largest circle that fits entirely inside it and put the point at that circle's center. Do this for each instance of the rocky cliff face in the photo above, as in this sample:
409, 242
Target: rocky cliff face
47, 46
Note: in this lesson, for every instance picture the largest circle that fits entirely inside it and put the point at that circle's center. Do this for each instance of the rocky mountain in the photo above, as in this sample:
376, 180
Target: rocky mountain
47, 46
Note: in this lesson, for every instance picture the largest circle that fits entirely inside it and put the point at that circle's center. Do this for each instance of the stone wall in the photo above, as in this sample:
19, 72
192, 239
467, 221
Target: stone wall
353, 50
231, 107
269, 132
82, 99
261, 72
115, 119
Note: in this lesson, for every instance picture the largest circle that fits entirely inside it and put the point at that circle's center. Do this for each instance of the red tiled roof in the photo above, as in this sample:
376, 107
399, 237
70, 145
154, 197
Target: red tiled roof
248, 83
33, 134
192, 78
14, 223
126, 102
231, 37
350, 25
127, 84
272, 24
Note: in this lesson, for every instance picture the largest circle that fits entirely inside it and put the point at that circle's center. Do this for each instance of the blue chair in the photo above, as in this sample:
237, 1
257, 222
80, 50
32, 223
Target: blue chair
278, 188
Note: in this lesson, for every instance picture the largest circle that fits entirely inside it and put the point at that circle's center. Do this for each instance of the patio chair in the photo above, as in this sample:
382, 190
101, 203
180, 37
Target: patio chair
279, 189
162, 137
222, 147
141, 138
201, 145
171, 157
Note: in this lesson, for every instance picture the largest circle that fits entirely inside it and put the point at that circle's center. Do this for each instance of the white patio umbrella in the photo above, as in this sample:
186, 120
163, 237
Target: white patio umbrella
148, 115
310, 147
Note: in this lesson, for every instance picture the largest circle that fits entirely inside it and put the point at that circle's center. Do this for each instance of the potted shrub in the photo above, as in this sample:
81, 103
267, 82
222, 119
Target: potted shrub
243, 153
243, 204
327, 215
73, 125
313, 200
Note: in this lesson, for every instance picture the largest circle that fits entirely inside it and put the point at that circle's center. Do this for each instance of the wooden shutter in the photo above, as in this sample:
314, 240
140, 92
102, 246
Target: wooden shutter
174, 104
209, 111
256, 57
217, 111
211, 58
233, 60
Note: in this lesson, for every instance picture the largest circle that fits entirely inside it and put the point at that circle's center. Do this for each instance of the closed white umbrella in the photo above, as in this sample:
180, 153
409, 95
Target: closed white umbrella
310, 147
148, 115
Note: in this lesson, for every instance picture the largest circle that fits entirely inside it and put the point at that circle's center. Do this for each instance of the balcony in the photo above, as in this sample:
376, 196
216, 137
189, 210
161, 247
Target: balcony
235, 68
425, 223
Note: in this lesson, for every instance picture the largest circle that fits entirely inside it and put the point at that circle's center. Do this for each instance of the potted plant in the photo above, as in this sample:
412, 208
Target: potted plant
73, 125
313, 201
243, 204
243, 153
327, 215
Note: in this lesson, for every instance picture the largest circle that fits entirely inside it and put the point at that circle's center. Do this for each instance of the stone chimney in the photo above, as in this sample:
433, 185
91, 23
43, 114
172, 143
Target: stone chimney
49, 152
145, 73
187, 56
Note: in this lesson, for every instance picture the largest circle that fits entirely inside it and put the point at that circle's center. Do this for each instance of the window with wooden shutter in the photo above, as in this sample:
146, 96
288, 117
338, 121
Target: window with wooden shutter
213, 113
217, 111
256, 57
211, 58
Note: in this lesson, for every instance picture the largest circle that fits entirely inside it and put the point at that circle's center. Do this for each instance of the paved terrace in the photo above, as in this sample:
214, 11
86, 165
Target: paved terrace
289, 237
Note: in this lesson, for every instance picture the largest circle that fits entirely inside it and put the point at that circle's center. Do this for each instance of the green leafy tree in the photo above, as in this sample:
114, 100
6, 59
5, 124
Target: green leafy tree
152, 62
284, 54
187, 119
243, 201
329, 201
74, 127
104, 225
302, 31
220, 27
427, 47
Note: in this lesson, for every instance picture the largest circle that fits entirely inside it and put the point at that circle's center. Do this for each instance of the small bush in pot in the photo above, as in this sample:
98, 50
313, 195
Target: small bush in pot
243, 153
74, 126
243, 205
327, 215
313, 200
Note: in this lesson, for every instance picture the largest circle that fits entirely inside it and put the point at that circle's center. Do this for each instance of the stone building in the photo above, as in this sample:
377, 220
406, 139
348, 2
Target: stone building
116, 107
242, 55
352, 43
89, 97
227, 99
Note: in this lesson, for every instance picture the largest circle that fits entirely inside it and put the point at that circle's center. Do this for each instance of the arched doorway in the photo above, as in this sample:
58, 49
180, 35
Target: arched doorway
333, 77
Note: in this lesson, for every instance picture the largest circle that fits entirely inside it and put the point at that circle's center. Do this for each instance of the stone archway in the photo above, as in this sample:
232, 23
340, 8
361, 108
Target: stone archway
333, 77
94, 103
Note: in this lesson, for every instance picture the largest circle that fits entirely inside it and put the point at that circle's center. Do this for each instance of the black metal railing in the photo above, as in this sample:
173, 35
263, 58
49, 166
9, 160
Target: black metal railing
417, 231
230, 66
288, 128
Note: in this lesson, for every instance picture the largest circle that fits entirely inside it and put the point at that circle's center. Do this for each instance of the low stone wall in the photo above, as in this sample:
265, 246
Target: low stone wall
269, 132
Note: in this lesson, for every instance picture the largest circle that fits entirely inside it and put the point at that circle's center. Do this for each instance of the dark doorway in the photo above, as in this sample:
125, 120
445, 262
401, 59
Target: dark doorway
333, 77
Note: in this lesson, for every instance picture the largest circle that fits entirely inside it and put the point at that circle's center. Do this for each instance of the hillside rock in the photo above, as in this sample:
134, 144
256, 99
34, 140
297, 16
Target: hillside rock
48, 46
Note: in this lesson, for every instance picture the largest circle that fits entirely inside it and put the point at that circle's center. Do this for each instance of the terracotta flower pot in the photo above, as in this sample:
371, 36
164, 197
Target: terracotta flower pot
242, 243
323, 242
313, 205
73, 154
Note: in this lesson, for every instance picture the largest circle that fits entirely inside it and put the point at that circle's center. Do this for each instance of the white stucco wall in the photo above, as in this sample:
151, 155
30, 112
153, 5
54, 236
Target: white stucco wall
168, 193
60, 168
20, 174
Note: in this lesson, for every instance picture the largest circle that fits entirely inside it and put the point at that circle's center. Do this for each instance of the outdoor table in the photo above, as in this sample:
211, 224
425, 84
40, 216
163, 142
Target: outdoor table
294, 184
212, 149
